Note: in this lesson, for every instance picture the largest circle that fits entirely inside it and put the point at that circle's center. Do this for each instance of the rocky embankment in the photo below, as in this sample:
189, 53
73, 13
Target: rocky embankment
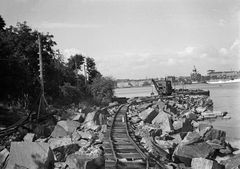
70, 140
173, 131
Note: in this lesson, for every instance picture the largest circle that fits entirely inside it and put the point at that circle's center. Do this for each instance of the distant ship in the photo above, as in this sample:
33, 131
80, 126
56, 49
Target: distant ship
223, 77
220, 81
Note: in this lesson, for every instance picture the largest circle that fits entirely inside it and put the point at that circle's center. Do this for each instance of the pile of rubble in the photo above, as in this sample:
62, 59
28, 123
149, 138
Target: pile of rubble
72, 142
173, 130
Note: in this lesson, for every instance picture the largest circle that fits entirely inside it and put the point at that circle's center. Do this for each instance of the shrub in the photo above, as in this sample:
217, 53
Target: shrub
102, 90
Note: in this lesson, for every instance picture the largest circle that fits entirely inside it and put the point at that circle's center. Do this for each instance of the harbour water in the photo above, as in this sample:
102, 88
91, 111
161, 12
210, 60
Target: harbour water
226, 97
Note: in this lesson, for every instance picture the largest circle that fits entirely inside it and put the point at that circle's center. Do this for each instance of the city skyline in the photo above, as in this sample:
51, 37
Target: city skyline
138, 38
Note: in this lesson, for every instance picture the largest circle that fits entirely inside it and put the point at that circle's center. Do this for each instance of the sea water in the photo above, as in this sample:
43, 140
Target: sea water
226, 97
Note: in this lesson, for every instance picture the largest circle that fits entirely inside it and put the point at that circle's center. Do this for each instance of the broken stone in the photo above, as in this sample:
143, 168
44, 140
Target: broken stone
135, 119
227, 150
104, 128
41, 140
29, 137
164, 144
62, 152
112, 104
144, 106
191, 137
202, 163
69, 125
82, 143
75, 161
76, 136
30, 155
195, 124
185, 153
214, 134
177, 124
60, 165
85, 135
215, 144
59, 142
200, 109
232, 162
3, 156
190, 115
97, 163
59, 131
163, 119
148, 115
176, 138
187, 125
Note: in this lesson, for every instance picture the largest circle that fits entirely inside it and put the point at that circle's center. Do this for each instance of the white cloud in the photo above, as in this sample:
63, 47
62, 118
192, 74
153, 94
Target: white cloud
187, 51
221, 22
223, 51
51, 25
22, 1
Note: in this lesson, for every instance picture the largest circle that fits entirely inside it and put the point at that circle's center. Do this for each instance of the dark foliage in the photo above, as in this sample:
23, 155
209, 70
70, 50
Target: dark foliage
19, 70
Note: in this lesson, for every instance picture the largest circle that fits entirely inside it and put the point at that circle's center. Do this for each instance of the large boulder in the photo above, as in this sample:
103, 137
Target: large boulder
148, 115
177, 124
85, 135
144, 106
62, 152
29, 137
3, 156
92, 158
190, 115
163, 119
59, 131
185, 153
59, 142
90, 116
215, 134
69, 125
202, 163
30, 155
187, 125
75, 161
232, 163
190, 138
164, 144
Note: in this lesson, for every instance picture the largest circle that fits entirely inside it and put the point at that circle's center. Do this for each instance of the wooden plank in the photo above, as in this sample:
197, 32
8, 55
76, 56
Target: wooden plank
109, 156
120, 139
124, 146
132, 150
129, 155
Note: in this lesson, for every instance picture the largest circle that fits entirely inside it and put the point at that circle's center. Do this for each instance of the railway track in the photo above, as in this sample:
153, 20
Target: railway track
121, 151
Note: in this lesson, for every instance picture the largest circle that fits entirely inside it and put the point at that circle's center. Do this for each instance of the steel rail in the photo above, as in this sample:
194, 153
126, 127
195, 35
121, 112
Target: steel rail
111, 137
144, 156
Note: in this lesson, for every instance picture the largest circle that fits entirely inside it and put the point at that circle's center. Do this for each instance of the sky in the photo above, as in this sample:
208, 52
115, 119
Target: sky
138, 38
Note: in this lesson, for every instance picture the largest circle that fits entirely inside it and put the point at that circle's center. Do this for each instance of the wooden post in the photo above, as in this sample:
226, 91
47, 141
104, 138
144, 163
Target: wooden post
42, 100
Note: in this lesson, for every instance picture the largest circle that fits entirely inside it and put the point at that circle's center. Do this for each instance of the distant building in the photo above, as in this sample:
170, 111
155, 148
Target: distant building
223, 74
195, 76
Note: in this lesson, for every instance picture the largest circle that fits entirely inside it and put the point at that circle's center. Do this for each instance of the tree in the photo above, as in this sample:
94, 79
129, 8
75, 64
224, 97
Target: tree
2, 23
75, 62
102, 89
91, 69
19, 63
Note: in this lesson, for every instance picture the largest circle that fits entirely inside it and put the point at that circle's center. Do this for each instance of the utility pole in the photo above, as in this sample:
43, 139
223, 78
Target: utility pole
84, 69
76, 72
42, 101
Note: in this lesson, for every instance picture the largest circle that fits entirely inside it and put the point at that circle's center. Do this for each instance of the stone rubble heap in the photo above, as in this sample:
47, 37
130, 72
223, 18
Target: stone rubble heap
173, 130
73, 142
